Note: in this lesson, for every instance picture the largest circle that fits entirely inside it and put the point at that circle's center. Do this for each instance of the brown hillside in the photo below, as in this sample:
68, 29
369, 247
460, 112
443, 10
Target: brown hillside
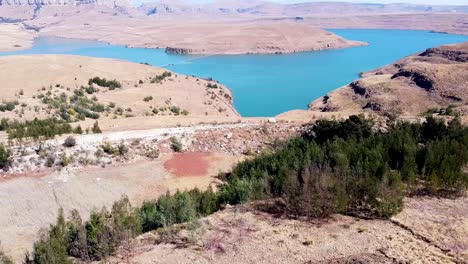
436, 78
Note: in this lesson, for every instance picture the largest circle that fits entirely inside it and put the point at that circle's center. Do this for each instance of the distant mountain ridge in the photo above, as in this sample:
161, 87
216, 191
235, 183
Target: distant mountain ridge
109, 3
245, 8
301, 9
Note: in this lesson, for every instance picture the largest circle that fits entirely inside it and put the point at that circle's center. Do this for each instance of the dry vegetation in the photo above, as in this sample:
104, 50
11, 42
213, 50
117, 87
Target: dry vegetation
69, 88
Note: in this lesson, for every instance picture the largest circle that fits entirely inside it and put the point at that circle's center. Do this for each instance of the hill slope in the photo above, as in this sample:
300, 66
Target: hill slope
435, 78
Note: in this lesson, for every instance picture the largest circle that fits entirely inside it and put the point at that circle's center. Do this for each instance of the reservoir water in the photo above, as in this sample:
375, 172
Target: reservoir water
266, 85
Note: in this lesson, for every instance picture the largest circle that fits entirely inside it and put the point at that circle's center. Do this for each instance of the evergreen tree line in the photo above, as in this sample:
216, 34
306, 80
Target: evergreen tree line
36, 129
348, 167
99, 237
334, 167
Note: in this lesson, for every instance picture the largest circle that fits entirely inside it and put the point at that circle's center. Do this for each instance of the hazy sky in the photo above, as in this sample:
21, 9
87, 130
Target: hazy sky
433, 2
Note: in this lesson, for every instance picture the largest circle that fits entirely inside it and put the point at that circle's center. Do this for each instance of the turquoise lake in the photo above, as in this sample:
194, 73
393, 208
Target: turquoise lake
266, 85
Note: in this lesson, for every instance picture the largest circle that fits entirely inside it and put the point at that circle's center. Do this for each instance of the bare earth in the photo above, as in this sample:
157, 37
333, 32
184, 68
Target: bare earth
15, 37
62, 74
200, 37
31, 202
425, 232
227, 27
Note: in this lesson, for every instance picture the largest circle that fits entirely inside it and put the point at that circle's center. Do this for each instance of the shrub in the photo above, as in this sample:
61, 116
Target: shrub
4, 124
96, 129
37, 129
107, 148
111, 84
8, 106
175, 110
176, 144
160, 78
5, 156
123, 149
212, 86
50, 161
90, 89
148, 98
78, 130
66, 160
69, 142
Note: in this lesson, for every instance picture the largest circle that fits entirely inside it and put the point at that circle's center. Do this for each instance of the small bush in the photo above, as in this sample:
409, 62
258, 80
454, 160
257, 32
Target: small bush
5, 156
78, 130
111, 84
8, 106
69, 142
175, 110
123, 149
148, 98
66, 160
96, 129
50, 161
160, 78
90, 89
212, 86
176, 144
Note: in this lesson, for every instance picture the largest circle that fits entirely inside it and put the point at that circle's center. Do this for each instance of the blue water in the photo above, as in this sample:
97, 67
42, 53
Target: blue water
265, 85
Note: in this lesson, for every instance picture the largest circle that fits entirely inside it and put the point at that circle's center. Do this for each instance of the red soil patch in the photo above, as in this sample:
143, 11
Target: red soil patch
188, 164
26, 174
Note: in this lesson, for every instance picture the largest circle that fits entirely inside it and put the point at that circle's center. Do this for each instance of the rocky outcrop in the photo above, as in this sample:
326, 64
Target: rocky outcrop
179, 51
419, 78
448, 53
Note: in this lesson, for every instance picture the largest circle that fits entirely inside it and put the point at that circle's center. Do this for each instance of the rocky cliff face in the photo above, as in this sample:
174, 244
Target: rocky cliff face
179, 51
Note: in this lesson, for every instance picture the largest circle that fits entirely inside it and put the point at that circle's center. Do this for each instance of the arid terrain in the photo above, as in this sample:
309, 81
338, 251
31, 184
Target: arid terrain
429, 230
51, 76
15, 37
140, 131
204, 37
434, 79
85, 177
93, 178
181, 28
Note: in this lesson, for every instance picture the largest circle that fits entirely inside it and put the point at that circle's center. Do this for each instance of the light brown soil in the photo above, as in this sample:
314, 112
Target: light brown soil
30, 203
243, 235
15, 37
25, 77
198, 36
